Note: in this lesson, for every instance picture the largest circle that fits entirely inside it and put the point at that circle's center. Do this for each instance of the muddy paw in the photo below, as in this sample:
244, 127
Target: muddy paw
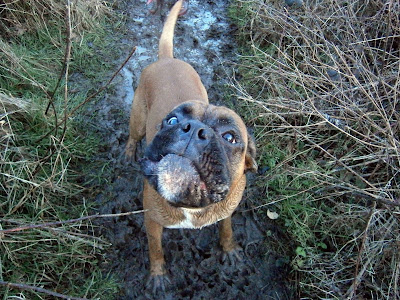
185, 7
157, 283
233, 257
155, 5
130, 152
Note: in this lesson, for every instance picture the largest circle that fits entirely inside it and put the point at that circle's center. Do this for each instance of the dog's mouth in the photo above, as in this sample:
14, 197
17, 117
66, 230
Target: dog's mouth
180, 181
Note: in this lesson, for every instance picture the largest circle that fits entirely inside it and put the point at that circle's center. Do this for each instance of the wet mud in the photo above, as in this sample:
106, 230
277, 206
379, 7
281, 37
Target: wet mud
205, 39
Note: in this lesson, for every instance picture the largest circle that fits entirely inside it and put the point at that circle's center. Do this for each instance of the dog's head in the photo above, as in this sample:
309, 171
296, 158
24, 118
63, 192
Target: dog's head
199, 151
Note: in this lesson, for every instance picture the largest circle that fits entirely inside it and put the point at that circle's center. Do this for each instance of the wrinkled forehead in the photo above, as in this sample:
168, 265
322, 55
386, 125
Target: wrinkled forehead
224, 116
192, 108
212, 115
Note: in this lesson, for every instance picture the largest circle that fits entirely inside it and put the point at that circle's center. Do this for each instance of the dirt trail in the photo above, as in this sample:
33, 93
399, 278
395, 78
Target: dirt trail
203, 38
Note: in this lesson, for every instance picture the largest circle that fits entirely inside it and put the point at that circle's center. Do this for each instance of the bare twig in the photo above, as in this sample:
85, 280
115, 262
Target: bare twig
357, 276
371, 256
83, 238
67, 55
66, 74
49, 224
104, 86
92, 95
22, 286
64, 71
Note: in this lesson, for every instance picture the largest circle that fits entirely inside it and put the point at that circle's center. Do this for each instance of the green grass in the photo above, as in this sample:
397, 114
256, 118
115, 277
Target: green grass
47, 177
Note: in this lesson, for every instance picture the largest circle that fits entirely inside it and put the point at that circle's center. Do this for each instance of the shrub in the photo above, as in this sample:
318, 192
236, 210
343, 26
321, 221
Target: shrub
320, 82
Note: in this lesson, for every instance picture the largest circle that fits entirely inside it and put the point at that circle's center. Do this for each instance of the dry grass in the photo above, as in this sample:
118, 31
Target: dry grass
42, 170
40, 186
322, 82
20, 16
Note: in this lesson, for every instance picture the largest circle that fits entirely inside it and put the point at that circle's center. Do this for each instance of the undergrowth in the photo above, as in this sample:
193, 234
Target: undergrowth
44, 156
321, 84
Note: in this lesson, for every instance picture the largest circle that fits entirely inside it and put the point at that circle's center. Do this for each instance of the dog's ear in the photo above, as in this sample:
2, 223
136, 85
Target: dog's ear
250, 159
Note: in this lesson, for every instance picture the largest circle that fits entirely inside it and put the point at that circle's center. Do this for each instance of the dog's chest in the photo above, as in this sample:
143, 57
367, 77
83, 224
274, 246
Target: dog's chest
196, 218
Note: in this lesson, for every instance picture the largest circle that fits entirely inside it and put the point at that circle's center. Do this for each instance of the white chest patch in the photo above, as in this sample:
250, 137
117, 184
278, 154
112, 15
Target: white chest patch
188, 221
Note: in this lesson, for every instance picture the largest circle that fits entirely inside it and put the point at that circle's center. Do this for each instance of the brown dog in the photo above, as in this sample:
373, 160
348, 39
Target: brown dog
196, 157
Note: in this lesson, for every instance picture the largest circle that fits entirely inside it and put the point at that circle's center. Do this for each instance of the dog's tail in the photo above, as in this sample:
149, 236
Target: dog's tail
167, 36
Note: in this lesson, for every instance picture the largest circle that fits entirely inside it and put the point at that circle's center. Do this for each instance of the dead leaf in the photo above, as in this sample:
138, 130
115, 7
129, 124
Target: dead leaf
272, 215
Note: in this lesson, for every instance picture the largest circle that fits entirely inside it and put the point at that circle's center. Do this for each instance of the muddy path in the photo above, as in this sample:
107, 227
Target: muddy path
205, 39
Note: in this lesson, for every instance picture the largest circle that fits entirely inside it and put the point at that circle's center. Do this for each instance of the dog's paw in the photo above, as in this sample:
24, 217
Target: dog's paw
158, 283
130, 151
232, 257
185, 7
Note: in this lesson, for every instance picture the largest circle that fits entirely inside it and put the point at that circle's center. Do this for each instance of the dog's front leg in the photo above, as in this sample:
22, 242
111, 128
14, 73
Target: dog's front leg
158, 275
231, 249
137, 123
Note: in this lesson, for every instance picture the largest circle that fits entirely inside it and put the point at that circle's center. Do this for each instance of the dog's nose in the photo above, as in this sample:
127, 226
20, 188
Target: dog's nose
195, 129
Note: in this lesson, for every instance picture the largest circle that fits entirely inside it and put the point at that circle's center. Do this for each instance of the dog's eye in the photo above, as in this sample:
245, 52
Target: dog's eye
229, 137
172, 121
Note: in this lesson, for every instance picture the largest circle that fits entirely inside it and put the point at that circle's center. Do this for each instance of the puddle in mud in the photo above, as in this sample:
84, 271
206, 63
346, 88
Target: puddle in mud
204, 38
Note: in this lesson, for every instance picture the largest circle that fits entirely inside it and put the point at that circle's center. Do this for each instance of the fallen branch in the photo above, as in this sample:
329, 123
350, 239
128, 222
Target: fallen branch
22, 286
50, 224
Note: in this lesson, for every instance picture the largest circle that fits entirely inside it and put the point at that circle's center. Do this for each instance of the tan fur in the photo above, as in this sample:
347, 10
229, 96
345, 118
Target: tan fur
164, 85
165, 46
